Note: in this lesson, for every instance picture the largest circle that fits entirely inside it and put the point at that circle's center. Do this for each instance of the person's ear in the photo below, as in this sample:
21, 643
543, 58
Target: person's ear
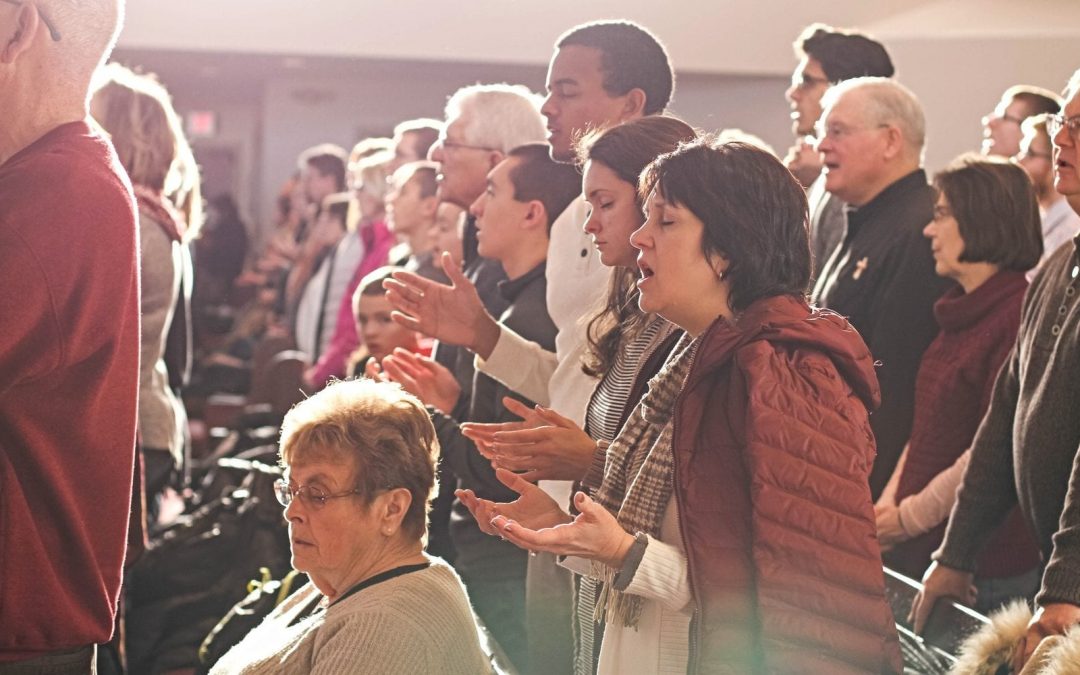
634, 102
25, 28
393, 505
720, 265
536, 216
494, 157
428, 206
894, 142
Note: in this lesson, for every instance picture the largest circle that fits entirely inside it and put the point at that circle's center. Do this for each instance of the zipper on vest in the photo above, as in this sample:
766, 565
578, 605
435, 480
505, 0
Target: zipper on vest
695, 619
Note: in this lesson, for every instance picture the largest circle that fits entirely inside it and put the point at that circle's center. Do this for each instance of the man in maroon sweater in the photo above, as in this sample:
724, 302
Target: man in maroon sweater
69, 341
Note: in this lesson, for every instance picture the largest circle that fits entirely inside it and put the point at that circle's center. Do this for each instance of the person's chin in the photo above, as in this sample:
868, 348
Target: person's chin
559, 148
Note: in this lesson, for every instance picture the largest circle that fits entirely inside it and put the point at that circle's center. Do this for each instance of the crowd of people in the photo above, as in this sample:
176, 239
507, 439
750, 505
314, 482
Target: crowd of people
631, 396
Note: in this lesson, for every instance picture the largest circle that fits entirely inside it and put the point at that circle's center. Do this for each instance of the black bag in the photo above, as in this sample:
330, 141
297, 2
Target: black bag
197, 568
263, 596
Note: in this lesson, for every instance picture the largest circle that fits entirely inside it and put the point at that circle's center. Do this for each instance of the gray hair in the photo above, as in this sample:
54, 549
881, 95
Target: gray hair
887, 102
735, 135
498, 116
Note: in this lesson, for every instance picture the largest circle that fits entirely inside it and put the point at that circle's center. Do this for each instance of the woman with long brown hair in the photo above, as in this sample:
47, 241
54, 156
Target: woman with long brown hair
623, 340
137, 113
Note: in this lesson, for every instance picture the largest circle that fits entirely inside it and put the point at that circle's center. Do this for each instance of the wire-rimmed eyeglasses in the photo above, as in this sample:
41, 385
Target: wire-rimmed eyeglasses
312, 496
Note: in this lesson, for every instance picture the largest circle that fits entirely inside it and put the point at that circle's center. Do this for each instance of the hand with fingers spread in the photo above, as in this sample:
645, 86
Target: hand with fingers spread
544, 445
534, 508
453, 314
1052, 619
940, 582
425, 378
594, 534
482, 434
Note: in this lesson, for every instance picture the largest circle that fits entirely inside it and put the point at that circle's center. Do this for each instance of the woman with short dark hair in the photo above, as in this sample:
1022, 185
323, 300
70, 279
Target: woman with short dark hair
733, 530
985, 235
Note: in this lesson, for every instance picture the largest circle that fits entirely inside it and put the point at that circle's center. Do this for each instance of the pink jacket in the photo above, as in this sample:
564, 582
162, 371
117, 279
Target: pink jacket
377, 240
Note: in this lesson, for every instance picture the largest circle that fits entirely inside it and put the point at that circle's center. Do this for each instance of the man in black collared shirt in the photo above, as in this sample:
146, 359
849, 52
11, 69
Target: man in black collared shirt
881, 276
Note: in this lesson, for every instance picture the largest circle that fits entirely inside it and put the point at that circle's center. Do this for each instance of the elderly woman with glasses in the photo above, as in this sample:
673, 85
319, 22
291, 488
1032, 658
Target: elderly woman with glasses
359, 461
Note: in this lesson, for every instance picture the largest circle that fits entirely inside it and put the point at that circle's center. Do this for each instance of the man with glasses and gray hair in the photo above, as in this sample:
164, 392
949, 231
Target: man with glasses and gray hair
881, 275
1025, 451
1059, 222
69, 348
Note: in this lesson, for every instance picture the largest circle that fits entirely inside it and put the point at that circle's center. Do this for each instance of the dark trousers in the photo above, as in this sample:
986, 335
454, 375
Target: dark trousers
72, 662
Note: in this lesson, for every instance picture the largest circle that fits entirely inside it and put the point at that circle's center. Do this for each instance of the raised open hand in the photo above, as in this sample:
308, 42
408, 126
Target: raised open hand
534, 507
544, 446
423, 377
594, 534
453, 314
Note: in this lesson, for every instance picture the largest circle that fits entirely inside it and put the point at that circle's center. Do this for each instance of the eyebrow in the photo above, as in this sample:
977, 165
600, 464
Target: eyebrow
562, 82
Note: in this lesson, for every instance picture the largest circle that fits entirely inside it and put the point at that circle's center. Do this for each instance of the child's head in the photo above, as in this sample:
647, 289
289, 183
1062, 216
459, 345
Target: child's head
411, 200
378, 332
446, 232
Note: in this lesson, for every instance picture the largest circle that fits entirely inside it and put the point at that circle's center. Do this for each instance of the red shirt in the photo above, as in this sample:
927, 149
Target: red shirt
69, 375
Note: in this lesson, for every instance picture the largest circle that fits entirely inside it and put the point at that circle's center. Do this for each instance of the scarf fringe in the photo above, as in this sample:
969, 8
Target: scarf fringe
614, 606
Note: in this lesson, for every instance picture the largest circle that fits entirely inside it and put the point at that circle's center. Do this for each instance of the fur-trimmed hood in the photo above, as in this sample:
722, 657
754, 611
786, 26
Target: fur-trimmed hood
988, 651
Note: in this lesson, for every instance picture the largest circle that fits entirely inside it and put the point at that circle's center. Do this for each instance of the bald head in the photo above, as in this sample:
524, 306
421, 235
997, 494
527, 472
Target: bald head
88, 30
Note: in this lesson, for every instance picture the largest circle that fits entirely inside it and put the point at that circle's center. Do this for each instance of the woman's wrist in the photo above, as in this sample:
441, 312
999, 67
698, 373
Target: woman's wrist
622, 547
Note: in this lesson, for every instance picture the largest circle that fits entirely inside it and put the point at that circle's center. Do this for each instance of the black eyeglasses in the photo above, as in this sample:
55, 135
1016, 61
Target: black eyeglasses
1055, 122
53, 33
309, 494
805, 81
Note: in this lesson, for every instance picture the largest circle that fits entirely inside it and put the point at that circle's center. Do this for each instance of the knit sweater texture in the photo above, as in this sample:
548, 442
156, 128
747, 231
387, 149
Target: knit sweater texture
69, 381
418, 622
952, 392
1025, 448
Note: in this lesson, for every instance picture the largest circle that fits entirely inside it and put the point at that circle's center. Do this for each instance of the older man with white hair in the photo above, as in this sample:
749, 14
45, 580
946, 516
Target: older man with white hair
881, 276
69, 347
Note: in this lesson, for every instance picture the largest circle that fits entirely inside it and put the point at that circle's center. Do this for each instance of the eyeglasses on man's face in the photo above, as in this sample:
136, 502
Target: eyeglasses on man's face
1055, 122
1003, 117
310, 495
448, 144
836, 131
805, 81
53, 33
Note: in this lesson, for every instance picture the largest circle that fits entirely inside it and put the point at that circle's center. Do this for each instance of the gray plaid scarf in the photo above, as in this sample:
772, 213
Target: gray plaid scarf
638, 477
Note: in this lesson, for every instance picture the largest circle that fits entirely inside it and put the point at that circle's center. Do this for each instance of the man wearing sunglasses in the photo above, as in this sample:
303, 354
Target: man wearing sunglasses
69, 343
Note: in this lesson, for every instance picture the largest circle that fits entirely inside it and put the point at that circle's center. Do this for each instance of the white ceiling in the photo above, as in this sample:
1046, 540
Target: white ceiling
709, 36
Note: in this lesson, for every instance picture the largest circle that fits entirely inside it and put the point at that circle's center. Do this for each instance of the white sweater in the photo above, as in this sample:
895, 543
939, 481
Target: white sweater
577, 284
419, 622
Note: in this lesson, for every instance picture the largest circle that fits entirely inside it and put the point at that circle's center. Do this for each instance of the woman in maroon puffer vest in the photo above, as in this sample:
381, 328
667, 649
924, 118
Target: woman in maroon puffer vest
734, 531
